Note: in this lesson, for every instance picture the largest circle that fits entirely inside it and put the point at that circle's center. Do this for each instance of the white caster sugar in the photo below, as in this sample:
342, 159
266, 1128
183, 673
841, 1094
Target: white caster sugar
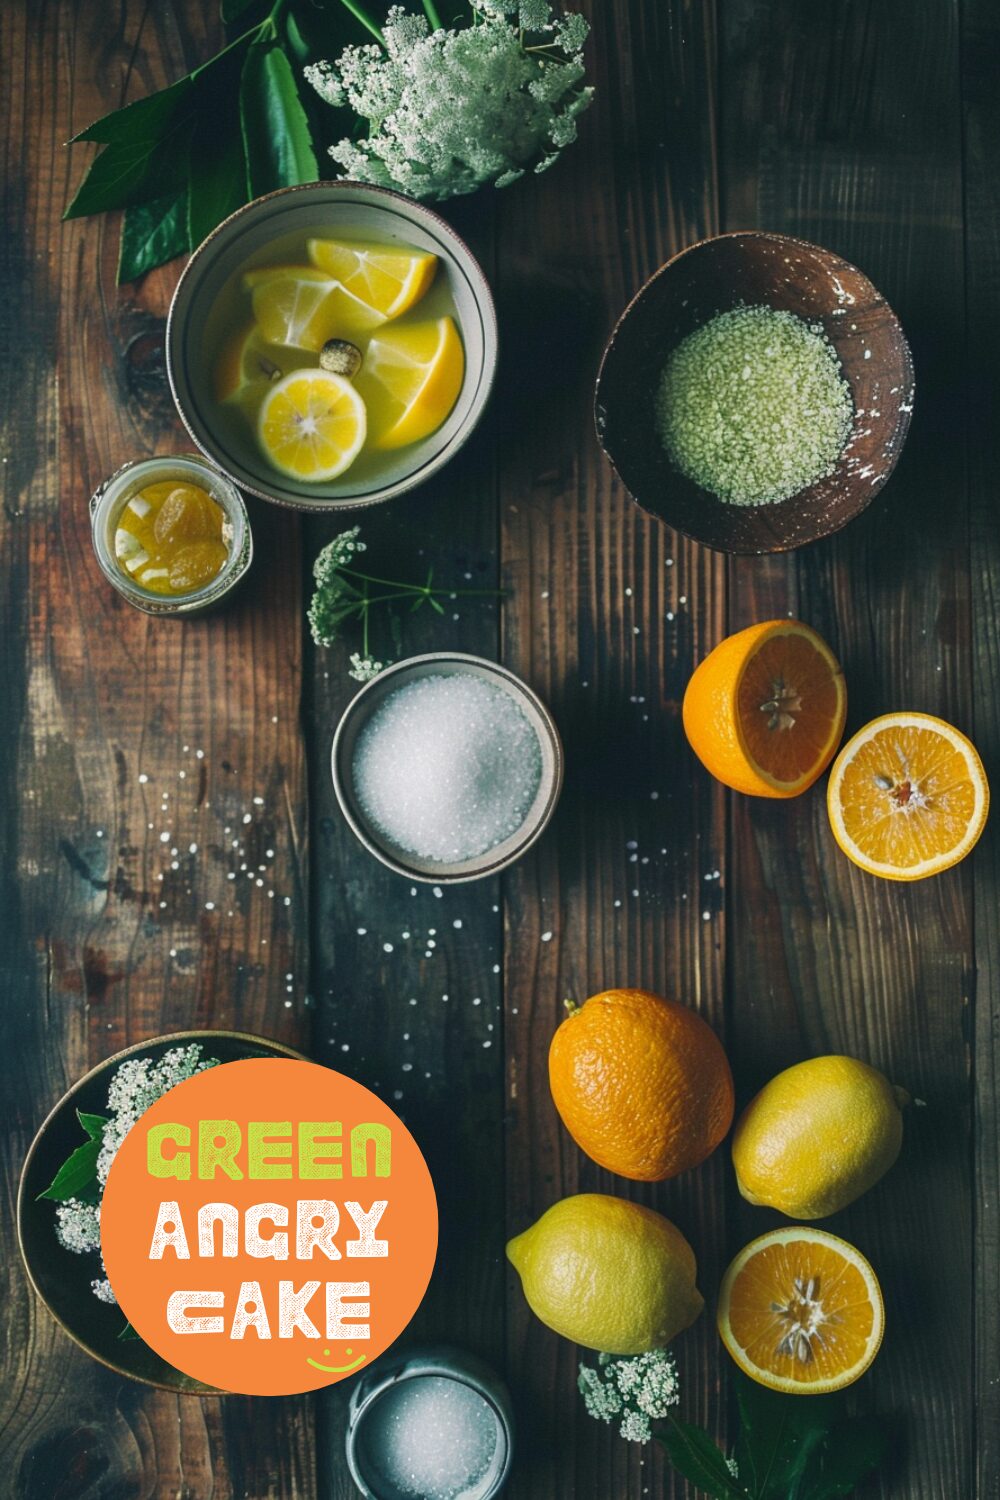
430, 1438
447, 767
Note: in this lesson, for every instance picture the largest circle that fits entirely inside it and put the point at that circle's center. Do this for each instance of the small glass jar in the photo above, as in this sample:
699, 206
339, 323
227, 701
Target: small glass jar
110, 500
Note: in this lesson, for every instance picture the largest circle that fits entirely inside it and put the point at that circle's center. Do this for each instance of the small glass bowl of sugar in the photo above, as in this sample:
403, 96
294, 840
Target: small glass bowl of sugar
447, 767
434, 1424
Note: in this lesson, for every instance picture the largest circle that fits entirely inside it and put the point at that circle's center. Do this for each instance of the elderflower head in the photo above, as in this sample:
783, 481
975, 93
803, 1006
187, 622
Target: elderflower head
136, 1084
452, 109
637, 1390
364, 668
335, 598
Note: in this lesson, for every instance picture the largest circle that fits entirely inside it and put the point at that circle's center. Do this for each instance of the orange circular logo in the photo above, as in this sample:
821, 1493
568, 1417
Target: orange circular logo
269, 1226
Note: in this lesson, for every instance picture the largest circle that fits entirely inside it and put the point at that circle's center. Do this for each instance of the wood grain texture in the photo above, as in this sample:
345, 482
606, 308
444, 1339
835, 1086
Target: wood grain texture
980, 65
858, 148
842, 124
606, 609
132, 729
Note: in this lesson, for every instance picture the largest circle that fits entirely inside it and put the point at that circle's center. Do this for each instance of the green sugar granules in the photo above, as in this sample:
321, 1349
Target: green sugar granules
753, 406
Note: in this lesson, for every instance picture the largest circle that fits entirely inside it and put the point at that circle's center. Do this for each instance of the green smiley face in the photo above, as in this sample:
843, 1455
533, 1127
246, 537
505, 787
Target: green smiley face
338, 1369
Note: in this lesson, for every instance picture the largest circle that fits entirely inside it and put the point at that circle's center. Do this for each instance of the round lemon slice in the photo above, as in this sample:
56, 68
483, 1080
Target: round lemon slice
389, 280
801, 1311
410, 380
312, 425
907, 796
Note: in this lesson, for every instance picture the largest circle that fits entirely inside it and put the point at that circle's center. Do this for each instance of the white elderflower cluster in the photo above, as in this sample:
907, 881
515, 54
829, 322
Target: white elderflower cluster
634, 1391
364, 668
78, 1226
136, 1084
450, 110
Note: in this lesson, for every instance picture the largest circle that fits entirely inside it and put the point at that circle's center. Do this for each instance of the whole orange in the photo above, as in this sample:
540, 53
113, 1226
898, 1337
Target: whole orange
641, 1084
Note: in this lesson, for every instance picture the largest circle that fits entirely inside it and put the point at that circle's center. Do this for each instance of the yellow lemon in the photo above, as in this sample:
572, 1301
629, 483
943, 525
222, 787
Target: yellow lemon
312, 425
608, 1274
818, 1136
801, 1311
303, 307
388, 280
410, 380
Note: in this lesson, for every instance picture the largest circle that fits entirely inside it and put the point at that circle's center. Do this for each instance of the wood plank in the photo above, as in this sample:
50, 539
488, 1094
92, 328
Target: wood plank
133, 728
842, 125
605, 612
406, 976
980, 61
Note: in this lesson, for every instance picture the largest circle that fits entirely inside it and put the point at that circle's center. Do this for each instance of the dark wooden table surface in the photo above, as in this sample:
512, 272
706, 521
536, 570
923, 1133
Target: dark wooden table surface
870, 126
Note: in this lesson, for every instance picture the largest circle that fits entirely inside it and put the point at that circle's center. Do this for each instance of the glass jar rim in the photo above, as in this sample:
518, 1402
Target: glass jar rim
124, 483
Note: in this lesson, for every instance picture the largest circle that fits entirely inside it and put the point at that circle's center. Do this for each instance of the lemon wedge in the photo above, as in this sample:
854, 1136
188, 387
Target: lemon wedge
388, 280
312, 425
410, 380
302, 307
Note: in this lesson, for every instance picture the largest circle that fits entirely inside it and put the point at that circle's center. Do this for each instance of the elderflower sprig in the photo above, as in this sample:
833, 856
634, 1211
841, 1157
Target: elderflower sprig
633, 1391
449, 109
345, 593
136, 1084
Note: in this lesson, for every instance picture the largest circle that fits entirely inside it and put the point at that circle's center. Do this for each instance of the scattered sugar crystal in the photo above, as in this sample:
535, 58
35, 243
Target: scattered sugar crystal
430, 1437
447, 767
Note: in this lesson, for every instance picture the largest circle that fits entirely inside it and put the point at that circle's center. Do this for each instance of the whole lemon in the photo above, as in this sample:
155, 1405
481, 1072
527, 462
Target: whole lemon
641, 1084
608, 1274
818, 1136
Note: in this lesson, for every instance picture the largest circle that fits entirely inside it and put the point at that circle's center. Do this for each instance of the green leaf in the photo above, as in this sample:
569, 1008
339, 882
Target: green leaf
843, 1456
136, 170
276, 140
217, 177
777, 1435
152, 234
695, 1455
92, 1124
149, 117
77, 1173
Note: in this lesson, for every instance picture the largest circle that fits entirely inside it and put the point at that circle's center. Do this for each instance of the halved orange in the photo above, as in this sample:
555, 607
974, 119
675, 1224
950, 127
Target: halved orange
908, 796
764, 712
801, 1311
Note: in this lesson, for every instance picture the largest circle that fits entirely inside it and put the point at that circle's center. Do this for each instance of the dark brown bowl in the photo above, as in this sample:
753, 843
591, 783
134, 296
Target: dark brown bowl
62, 1279
756, 268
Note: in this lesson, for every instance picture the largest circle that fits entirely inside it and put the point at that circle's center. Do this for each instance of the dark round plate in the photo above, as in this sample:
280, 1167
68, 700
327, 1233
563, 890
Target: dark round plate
62, 1279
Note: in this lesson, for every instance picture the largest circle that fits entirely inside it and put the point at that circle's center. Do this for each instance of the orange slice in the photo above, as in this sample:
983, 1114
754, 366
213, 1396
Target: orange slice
312, 425
389, 280
764, 712
908, 796
801, 1311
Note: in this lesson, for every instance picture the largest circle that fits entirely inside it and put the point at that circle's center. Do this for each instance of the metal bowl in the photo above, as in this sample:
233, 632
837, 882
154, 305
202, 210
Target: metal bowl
62, 1279
416, 1364
756, 268
318, 208
360, 710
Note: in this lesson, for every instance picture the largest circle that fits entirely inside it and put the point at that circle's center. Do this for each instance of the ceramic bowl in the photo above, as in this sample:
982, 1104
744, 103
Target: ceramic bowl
357, 715
754, 268
62, 1279
249, 237
364, 1449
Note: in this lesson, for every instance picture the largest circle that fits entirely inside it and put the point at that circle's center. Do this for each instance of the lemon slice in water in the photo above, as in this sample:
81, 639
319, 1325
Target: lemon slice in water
302, 307
410, 380
312, 425
389, 280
